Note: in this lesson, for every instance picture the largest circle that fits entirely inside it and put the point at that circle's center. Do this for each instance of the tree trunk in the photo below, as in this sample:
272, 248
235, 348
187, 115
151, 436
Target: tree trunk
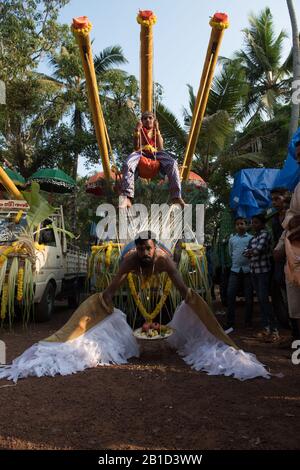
294, 122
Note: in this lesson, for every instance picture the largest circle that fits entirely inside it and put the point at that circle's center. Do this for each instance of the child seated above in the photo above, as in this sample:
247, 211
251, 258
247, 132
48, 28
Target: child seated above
148, 142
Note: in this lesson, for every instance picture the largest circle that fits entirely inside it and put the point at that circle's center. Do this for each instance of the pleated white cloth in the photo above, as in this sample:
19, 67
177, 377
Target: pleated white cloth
112, 342
109, 342
202, 351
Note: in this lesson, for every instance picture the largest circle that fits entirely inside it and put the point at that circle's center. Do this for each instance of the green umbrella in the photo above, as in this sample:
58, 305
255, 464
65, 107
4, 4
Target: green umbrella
15, 177
53, 180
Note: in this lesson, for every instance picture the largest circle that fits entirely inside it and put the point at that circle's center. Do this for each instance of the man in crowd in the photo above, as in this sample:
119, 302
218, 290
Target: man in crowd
290, 223
239, 273
279, 198
259, 252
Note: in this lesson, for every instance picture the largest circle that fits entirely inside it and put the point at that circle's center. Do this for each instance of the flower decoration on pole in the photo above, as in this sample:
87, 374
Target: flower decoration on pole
219, 21
81, 26
146, 18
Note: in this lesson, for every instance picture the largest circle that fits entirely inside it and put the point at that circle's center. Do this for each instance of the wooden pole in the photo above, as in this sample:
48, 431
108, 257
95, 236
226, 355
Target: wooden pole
146, 19
81, 28
219, 23
9, 185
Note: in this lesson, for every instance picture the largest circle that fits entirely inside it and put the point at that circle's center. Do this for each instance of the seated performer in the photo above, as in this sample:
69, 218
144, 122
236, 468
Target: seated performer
99, 334
146, 259
148, 142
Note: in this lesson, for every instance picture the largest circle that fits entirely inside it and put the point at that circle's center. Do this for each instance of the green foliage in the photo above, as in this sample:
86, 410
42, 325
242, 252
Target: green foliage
39, 210
28, 30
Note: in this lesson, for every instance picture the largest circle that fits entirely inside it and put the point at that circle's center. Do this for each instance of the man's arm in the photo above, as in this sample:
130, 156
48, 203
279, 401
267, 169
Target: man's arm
137, 142
279, 250
117, 281
158, 136
175, 276
262, 244
230, 246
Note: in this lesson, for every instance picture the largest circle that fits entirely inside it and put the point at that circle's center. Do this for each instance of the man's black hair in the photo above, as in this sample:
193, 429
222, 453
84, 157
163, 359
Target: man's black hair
143, 236
282, 191
240, 218
260, 217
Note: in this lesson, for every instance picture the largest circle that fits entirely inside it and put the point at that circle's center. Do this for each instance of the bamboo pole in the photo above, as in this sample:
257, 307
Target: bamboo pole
81, 28
146, 19
219, 23
9, 185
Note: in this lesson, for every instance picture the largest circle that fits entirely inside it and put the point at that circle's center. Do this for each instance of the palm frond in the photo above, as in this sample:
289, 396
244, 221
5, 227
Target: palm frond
108, 58
172, 131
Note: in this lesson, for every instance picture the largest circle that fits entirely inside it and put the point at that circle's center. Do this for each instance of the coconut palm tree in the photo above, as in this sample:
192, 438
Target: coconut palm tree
223, 113
69, 75
267, 75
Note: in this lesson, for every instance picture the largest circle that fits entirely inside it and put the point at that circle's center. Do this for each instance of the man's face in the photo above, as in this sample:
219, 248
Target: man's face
257, 225
298, 154
148, 121
145, 252
241, 226
278, 201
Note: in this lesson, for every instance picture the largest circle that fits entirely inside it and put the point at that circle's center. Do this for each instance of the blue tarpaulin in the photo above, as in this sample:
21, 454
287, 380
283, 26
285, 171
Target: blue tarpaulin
289, 176
251, 189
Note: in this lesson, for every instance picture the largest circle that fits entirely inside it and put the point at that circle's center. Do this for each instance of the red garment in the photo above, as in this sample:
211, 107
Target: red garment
146, 140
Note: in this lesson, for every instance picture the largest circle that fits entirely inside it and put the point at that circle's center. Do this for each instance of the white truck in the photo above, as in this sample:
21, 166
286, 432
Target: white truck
61, 267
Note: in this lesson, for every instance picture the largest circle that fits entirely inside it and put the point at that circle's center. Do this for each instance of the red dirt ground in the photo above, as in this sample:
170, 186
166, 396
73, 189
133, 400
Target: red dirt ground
154, 402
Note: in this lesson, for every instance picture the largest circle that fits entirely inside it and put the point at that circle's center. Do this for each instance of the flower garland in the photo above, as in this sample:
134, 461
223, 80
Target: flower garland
219, 21
81, 26
146, 18
4, 301
20, 283
149, 316
108, 247
191, 253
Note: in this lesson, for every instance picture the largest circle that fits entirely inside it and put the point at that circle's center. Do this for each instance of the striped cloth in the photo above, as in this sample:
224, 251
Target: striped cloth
168, 167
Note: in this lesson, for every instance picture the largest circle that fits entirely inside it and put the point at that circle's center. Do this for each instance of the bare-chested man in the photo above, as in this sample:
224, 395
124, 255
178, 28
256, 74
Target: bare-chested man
145, 259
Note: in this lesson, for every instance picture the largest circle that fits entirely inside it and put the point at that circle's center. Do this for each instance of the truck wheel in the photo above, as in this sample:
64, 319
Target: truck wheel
44, 309
74, 299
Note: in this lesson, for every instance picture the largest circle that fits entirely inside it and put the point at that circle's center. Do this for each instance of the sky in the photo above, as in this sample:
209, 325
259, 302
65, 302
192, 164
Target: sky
181, 36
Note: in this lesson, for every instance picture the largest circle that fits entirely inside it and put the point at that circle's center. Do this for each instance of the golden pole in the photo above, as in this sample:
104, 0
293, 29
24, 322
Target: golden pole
9, 184
219, 23
81, 28
146, 19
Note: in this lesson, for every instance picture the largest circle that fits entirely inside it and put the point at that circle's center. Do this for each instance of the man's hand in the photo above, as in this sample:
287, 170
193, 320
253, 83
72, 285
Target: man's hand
139, 126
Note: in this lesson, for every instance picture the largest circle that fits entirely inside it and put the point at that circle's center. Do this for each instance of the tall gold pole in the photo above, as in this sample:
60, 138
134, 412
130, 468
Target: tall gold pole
9, 184
146, 19
219, 23
81, 28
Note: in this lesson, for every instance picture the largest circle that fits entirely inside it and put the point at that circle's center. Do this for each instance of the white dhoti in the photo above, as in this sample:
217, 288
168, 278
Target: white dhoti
84, 343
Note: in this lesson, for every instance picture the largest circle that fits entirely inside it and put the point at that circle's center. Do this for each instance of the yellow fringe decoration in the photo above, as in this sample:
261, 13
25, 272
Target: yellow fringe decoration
4, 301
219, 25
20, 282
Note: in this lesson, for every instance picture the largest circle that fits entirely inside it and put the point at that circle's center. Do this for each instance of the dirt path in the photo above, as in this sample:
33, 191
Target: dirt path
155, 402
